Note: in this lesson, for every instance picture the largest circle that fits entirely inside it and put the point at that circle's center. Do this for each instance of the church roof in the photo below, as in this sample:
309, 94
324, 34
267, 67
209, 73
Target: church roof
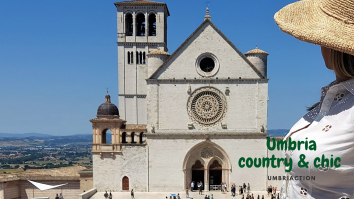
256, 51
142, 3
222, 35
158, 52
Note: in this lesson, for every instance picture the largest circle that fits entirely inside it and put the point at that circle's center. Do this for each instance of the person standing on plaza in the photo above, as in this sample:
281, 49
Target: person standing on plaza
192, 186
57, 197
61, 196
106, 195
244, 188
200, 186
110, 195
211, 197
248, 187
132, 194
187, 194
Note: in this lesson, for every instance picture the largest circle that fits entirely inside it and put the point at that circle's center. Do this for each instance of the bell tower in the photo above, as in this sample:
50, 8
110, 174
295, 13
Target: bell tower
141, 28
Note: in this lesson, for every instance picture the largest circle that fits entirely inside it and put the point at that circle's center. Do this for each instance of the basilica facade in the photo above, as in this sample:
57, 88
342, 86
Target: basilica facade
182, 117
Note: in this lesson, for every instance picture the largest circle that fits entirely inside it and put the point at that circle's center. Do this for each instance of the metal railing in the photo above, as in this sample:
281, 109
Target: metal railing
214, 187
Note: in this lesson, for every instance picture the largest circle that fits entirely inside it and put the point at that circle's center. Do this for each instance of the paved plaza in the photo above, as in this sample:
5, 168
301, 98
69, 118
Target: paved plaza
162, 195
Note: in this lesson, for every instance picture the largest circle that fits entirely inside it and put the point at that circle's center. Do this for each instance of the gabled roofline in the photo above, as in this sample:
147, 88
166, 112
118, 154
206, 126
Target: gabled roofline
222, 35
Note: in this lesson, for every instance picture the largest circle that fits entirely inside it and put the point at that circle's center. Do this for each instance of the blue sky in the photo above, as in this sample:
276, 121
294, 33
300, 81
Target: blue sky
58, 57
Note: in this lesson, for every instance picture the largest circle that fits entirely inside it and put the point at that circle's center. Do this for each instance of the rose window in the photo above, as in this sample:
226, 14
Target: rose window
207, 106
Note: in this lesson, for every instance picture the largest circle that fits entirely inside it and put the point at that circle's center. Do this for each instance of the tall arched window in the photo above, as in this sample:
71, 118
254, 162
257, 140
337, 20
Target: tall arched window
144, 58
152, 24
131, 57
129, 24
132, 136
140, 24
124, 137
141, 58
137, 57
128, 57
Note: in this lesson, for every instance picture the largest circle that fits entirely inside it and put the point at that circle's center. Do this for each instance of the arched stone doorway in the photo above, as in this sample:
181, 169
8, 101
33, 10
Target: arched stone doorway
211, 158
125, 183
197, 173
215, 174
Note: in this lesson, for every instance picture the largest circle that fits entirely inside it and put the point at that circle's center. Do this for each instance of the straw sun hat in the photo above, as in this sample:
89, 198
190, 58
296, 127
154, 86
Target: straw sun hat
328, 23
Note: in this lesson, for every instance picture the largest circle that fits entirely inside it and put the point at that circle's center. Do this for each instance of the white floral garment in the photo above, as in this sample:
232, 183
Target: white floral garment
332, 128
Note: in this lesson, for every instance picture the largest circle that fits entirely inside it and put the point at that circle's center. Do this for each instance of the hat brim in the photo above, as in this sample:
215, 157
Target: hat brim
306, 21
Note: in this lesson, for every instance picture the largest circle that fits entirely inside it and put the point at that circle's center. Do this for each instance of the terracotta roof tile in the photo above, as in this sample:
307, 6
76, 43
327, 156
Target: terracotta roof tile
256, 51
158, 52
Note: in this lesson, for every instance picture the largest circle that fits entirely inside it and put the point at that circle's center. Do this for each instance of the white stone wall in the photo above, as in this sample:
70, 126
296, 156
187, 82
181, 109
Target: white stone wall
246, 105
166, 158
108, 173
206, 40
2, 190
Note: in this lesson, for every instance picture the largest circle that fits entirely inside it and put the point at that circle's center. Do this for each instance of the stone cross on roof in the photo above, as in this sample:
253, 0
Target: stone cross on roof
207, 16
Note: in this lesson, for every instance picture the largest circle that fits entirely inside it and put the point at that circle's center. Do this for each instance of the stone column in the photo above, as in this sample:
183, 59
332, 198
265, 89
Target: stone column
93, 136
134, 29
98, 136
137, 138
206, 180
129, 138
117, 136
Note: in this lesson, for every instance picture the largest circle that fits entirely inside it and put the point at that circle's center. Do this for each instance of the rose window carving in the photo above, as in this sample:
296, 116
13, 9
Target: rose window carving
207, 153
207, 106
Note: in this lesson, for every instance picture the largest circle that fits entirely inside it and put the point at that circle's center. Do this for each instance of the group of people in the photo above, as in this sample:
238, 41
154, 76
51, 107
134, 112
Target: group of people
199, 185
223, 187
242, 189
108, 196
251, 196
271, 190
175, 197
209, 197
60, 196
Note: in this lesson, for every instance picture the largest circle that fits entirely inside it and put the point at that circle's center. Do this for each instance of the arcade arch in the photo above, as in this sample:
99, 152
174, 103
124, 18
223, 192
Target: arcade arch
206, 162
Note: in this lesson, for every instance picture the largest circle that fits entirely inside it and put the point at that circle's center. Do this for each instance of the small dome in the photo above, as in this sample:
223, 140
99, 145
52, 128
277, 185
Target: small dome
158, 52
107, 108
256, 51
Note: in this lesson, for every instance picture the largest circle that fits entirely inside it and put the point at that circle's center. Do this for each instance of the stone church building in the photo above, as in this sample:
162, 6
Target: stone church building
185, 116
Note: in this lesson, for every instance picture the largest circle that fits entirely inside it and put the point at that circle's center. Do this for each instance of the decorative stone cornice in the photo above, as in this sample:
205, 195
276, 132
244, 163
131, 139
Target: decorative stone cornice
127, 43
105, 120
207, 135
141, 127
208, 80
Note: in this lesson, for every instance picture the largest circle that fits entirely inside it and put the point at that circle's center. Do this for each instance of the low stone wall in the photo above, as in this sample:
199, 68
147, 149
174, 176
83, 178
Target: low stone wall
69, 191
11, 190
88, 194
